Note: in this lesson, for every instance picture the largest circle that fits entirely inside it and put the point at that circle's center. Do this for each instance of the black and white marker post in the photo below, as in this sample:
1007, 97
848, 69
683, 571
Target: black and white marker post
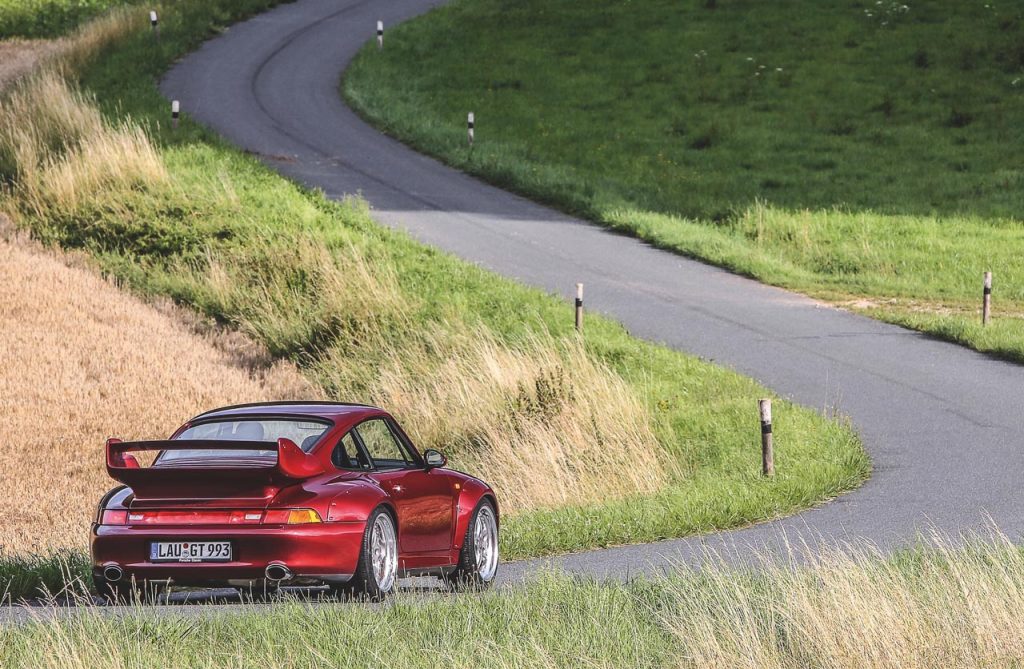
579, 307
986, 299
470, 128
767, 454
154, 21
380, 34
175, 114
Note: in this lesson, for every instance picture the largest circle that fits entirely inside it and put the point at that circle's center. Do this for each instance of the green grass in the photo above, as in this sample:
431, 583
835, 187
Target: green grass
804, 142
42, 575
49, 18
225, 206
554, 623
926, 607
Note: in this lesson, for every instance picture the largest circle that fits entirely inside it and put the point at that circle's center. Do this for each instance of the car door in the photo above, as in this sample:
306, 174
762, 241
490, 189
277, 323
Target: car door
423, 498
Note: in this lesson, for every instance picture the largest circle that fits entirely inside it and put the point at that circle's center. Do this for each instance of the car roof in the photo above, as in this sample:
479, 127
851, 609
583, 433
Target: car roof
331, 410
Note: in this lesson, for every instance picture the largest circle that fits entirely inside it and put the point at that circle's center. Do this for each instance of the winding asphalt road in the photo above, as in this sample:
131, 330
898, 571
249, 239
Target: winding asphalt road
943, 425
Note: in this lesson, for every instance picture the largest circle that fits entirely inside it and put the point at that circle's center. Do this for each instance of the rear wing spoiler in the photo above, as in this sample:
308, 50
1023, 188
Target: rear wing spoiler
292, 462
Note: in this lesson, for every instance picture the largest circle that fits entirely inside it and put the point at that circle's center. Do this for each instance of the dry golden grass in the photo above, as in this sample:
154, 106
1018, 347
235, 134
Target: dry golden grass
67, 159
63, 156
84, 361
95, 36
541, 407
939, 607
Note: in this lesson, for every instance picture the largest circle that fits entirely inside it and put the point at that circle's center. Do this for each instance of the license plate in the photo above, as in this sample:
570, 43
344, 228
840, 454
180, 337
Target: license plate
190, 551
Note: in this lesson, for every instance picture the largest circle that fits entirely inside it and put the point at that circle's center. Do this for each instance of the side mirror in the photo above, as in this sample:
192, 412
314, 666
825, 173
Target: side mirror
434, 459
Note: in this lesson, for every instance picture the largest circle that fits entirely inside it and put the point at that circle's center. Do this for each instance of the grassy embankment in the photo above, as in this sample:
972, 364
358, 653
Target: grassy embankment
926, 608
866, 153
49, 18
487, 370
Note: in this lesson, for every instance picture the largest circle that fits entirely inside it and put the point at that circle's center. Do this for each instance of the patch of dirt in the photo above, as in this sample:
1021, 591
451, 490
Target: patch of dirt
913, 306
902, 304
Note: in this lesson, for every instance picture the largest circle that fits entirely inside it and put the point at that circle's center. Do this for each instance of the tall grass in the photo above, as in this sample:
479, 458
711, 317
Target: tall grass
59, 155
545, 407
49, 18
932, 606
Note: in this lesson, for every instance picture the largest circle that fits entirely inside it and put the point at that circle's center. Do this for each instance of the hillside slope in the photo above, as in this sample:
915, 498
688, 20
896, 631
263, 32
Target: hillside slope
83, 361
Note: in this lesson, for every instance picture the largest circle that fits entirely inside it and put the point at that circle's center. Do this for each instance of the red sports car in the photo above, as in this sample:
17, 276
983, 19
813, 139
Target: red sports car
290, 493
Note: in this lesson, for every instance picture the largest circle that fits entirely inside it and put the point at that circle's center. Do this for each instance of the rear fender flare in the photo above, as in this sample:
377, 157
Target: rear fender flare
472, 492
356, 501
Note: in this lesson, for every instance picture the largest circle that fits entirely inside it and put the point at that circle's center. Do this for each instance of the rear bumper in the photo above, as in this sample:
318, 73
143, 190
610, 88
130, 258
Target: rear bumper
315, 553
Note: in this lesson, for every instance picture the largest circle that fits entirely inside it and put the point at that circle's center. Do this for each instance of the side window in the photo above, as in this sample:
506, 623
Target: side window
346, 454
384, 449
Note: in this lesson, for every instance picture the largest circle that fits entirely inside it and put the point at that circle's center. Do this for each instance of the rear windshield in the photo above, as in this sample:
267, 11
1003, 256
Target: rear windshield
305, 433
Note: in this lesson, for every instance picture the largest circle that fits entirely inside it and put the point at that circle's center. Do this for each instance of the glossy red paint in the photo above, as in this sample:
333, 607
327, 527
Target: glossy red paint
245, 501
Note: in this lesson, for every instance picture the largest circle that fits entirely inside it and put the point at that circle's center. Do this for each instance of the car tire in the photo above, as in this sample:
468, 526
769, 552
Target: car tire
377, 571
478, 558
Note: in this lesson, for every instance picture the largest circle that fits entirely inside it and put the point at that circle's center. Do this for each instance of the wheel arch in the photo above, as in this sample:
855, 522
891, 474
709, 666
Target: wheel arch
473, 492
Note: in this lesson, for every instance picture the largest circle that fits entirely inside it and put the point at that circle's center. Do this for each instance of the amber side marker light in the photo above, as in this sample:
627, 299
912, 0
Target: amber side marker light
291, 517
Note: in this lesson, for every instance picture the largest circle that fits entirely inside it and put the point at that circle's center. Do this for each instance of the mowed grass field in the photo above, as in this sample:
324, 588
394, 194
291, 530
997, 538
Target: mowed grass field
929, 607
866, 152
488, 371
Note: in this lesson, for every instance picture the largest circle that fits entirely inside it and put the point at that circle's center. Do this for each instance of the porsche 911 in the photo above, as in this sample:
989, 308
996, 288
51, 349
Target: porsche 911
265, 495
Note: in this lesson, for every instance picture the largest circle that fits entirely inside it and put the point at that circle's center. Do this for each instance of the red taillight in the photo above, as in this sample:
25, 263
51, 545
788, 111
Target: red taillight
212, 517
205, 517
114, 517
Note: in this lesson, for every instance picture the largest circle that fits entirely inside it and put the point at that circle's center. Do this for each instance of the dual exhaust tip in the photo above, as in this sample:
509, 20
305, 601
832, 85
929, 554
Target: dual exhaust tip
277, 572
274, 572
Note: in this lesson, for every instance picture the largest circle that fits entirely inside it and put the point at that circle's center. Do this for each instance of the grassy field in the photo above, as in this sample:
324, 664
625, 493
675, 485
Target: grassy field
49, 18
865, 152
369, 314
930, 607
